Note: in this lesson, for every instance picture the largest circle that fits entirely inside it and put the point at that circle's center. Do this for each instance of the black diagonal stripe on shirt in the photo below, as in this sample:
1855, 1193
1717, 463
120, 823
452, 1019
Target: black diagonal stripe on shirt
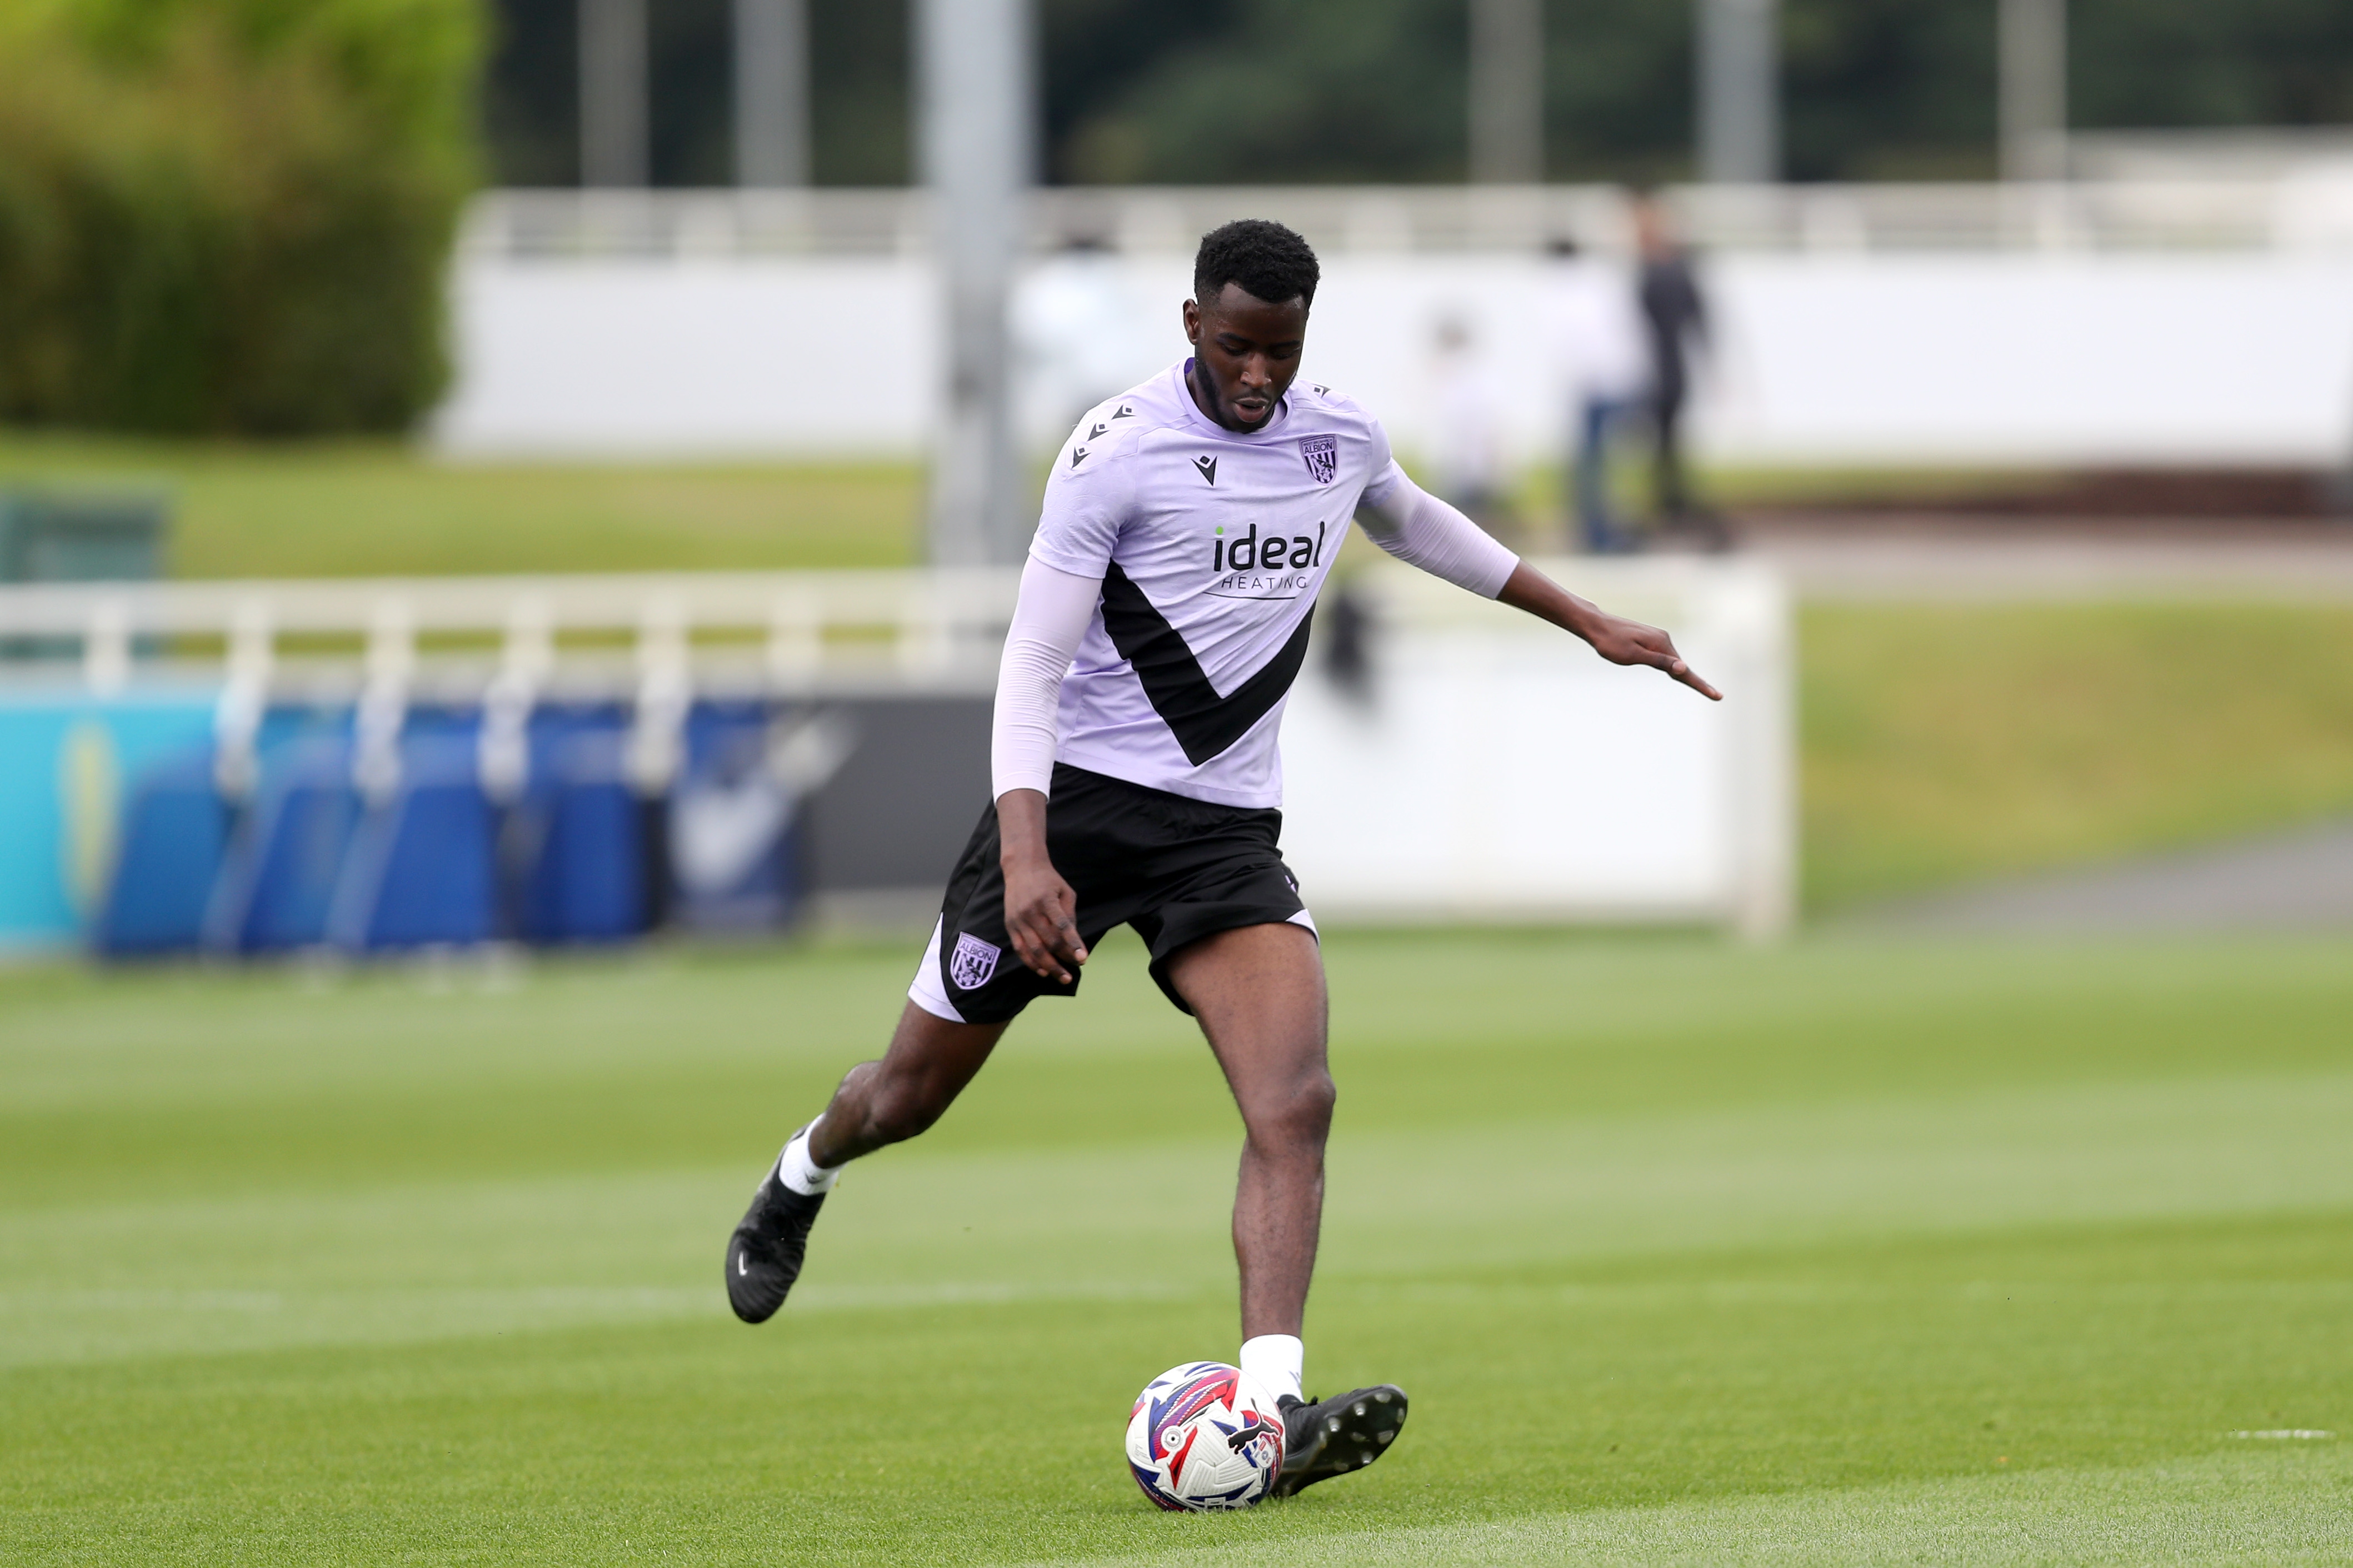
1203, 722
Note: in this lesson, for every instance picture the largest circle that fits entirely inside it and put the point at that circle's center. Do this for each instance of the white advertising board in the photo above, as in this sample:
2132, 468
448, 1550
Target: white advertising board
1491, 768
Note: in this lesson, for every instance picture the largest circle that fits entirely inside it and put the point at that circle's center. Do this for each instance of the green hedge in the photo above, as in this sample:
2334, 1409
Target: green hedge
231, 217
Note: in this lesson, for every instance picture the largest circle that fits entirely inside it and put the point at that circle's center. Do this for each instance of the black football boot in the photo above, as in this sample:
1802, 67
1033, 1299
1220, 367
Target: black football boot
1337, 1436
764, 1256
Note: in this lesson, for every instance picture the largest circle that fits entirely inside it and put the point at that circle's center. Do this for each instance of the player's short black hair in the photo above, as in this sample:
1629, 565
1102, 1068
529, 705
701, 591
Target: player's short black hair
1267, 259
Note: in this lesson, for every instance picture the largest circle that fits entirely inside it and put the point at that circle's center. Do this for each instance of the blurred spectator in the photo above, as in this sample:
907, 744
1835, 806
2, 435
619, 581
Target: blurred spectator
1674, 324
1345, 630
1598, 339
1465, 452
2338, 498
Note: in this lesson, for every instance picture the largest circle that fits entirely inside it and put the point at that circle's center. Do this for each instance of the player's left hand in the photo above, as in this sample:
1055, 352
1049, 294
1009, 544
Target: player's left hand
1614, 638
1621, 641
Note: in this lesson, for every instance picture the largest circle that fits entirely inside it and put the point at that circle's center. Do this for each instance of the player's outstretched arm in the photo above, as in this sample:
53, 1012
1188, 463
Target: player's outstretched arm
1417, 528
1049, 618
1614, 638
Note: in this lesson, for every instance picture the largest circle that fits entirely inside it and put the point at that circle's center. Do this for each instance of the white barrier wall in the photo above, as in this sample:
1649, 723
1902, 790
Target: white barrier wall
633, 358
2083, 359
1495, 770
2017, 357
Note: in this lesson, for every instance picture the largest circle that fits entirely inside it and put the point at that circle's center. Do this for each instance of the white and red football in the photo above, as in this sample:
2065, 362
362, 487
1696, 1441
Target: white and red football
1202, 1437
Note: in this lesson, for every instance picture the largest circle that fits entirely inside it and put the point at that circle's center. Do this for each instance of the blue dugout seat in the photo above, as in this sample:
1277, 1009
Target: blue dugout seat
175, 831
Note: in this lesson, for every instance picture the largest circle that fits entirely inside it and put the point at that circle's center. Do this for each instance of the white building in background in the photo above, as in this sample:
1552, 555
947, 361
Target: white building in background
2127, 322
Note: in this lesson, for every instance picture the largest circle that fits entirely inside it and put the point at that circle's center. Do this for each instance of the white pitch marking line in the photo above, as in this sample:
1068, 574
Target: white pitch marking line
2294, 1434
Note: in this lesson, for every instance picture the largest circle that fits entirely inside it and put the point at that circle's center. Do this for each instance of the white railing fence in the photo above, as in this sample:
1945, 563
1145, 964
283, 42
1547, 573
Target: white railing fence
384, 644
792, 633
2297, 211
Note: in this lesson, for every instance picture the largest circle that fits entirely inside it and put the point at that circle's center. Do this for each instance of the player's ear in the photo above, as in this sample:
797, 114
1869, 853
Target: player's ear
1193, 322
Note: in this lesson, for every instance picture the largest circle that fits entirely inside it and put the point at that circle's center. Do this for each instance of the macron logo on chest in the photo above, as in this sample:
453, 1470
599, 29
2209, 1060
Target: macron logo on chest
1207, 468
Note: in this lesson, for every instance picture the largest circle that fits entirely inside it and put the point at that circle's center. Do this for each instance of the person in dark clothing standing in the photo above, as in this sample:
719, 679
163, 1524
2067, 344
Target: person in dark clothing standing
1674, 322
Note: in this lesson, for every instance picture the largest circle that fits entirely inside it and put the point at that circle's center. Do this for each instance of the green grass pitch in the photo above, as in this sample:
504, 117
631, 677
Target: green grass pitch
1844, 1252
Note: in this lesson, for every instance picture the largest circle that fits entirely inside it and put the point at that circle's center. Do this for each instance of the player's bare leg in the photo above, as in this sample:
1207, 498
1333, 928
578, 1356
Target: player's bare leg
927, 1064
1259, 994
929, 1061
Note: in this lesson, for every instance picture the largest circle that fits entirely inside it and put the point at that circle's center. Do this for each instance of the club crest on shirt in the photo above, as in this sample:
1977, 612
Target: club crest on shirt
1322, 456
973, 962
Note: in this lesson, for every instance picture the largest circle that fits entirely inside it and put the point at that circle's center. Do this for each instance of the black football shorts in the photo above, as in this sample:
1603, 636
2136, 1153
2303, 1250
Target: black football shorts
1175, 869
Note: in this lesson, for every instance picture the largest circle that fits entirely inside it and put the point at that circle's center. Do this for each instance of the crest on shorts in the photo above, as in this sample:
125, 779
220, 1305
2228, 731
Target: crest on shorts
1322, 456
972, 962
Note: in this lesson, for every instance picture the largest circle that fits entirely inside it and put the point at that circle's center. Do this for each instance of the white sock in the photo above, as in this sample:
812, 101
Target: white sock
1274, 1362
801, 1174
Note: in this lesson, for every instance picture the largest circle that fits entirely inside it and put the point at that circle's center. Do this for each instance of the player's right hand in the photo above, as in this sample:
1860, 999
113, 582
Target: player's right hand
1041, 918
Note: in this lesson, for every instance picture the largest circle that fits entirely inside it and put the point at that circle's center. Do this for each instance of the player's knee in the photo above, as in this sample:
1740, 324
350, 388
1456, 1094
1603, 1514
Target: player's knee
1300, 1113
1318, 1099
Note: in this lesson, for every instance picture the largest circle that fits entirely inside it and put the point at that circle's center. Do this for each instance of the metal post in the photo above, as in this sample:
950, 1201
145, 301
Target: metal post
1508, 77
106, 648
382, 711
613, 93
503, 755
2033, 90
244, 699
1739, 91
973, 70
772, 93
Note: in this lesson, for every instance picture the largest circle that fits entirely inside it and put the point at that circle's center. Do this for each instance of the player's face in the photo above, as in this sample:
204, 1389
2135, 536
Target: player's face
1245, 354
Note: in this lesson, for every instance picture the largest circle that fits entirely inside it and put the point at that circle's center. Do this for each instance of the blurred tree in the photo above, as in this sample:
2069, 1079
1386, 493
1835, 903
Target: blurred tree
1373, 90
692, 51
230, 215
1093, 52
530, 93
858, 97
2137, 63
1287, 91
1888, 90
858, 90
1619, 89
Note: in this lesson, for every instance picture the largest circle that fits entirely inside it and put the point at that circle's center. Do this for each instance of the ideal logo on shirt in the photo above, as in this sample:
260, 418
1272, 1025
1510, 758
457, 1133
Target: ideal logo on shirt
1272, 567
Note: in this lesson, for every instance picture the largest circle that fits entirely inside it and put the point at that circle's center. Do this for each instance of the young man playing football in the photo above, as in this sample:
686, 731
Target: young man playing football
1163, 615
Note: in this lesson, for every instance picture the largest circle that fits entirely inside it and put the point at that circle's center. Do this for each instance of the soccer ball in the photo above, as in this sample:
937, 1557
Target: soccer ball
1202, 1437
